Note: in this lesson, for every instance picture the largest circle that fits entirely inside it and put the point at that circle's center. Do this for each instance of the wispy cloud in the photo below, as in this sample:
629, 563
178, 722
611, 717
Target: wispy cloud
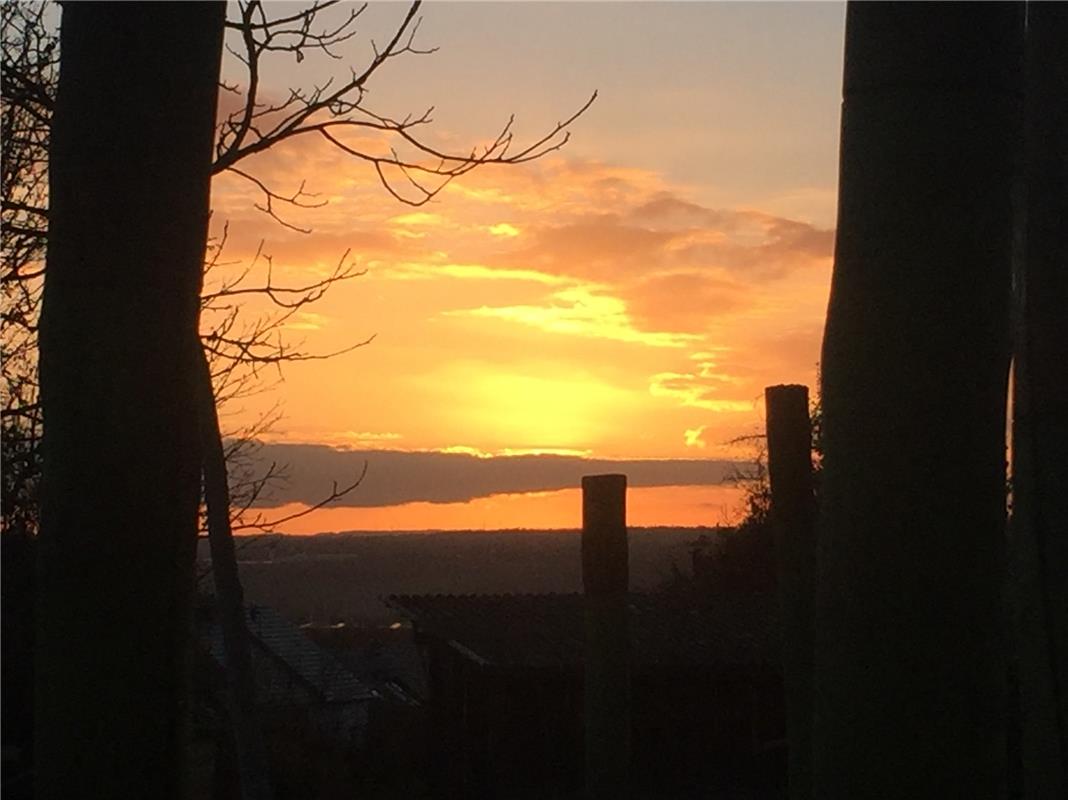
695, 391
678, 312
480, 272
581, 311
307, 321
365, 438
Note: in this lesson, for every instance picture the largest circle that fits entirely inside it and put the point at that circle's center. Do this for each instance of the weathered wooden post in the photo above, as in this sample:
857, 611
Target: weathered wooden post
793, 523
607, 672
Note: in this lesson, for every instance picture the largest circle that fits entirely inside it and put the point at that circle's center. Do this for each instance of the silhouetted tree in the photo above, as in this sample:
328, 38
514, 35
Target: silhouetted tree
129, 182
240, 349
334, 112
140, 425
910, 681
242, 352
28, 70
410, 168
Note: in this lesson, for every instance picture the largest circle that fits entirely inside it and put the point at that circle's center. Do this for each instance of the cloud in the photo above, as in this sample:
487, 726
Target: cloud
307, 321
504, 229
646, 264
696, 391
481, 272
558, 185
581, 311
682, 301
395, 477
693, 436
417, 218
669, 210
573, 260
651, 232
294, 257
595, 247
757, 246
365, 438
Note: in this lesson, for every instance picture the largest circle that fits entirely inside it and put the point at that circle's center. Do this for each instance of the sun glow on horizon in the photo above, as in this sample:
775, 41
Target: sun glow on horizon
628, 296
675, 506
539, 412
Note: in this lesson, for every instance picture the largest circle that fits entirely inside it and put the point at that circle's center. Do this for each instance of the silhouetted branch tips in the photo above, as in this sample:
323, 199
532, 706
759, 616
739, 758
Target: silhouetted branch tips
336, 493
327, 110
241, 349
28, 71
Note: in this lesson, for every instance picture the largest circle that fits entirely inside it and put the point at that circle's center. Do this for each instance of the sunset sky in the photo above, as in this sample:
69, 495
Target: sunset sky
626, 298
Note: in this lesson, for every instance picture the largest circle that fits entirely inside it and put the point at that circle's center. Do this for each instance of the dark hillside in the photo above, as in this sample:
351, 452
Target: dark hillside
342, 576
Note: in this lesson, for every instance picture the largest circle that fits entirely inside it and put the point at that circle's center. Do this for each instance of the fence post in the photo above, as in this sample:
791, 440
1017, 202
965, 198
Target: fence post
793, 514
607, 663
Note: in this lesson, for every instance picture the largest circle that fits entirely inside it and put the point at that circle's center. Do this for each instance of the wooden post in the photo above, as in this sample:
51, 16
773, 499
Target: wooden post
793, 523
607, 672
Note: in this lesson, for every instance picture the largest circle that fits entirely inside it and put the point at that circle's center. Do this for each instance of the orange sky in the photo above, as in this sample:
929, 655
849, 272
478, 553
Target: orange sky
628, 297
646, 506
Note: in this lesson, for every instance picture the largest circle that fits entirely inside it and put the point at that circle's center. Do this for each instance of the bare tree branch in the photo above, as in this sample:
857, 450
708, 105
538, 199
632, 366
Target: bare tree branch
296, 199
259, 126
28, 68
259, 523
241, 347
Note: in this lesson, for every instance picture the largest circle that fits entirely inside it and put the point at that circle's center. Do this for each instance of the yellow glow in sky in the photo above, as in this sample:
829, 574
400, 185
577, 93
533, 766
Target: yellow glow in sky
629, 296
543, 412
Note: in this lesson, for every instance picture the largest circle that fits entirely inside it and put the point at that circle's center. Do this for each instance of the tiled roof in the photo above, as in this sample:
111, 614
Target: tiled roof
547, 630
304, 665
380, 657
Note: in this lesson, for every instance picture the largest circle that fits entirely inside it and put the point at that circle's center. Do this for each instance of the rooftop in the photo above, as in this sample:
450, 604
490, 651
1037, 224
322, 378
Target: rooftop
547, 630
300, 659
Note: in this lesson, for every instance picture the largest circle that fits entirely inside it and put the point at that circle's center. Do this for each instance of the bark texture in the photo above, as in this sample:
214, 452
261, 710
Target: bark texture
910, 658
129, 188
1039, 542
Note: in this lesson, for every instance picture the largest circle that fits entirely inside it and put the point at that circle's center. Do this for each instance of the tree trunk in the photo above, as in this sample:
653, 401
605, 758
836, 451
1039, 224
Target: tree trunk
1039, 542
229, 598
909, 682
129, 189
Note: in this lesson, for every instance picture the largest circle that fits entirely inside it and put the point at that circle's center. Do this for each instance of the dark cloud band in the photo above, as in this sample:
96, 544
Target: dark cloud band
394, 477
